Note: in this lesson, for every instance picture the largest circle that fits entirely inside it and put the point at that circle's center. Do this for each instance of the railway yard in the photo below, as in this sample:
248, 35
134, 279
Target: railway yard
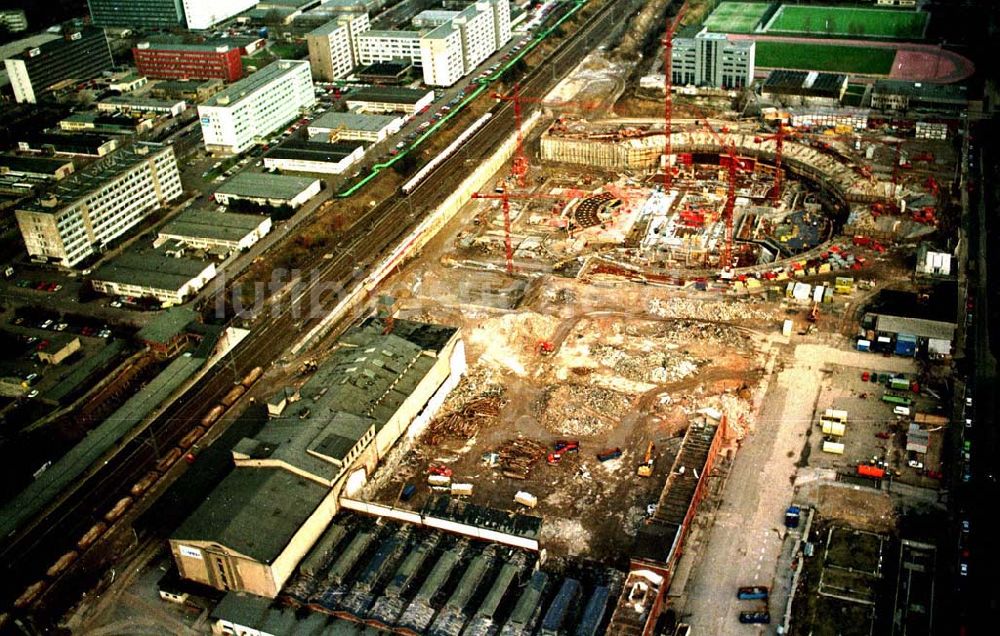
599, 374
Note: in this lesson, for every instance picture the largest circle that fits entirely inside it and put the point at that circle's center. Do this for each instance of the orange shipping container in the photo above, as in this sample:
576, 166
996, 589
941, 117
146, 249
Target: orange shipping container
871, 471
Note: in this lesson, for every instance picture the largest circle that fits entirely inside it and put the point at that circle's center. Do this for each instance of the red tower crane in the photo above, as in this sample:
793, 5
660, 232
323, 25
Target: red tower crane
504, 198
778, 138
520, 164
668, 100
733, 164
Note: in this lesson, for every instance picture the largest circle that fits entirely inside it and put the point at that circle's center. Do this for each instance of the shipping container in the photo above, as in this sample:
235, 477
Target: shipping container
864, 345
438, 480
213, 415
593, 613
752, 593
836, 414
461, 489
833, 427
118, 509
525, 499
62, 563
830, 446
562, 604
609, 454
899, 384
871, 471
906, 345
931, 420
899, 400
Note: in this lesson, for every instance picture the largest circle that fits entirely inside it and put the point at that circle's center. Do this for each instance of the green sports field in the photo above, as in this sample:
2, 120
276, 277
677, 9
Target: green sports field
847, 22
825, 57
736, 17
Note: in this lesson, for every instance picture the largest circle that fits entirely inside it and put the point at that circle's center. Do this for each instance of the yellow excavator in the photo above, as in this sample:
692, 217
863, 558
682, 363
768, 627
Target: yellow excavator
646, 467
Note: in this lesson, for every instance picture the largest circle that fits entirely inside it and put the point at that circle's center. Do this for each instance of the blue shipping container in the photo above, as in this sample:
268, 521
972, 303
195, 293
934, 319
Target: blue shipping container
864, 345
906, 345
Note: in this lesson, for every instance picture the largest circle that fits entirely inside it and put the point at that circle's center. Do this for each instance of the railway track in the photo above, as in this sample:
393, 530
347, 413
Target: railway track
27, 554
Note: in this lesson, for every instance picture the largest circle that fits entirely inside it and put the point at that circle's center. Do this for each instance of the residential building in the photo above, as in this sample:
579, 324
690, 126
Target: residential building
85, 211
381, 99
199, 14
442, 56
249, 110
342, 126
153, 274
315, 157
211, 230
712, 59
137, 13
385, 46
188, 61
14, 20
805, 88
333, 46
262, 519
272, 190
79, 54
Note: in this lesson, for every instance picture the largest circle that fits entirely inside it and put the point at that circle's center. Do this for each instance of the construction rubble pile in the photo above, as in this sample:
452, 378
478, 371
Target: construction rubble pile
517, 456
656, 367
465, 422
731, 310
582, 410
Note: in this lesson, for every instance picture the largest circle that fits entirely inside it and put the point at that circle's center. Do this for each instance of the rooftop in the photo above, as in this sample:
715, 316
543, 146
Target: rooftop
239, 90
150, 268
315, 151
390, 94
39, 165
810, 83
168, 325
254, 511
386, 33
97, 175
134, 100
444, 507
207, 46
47, 48
265, 185
950, 93
932, 329
353, 121
209, 224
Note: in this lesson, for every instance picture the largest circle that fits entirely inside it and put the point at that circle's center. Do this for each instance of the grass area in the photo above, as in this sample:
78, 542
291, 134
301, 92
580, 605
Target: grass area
736, 17
825, 57
258, 60
848, 22
856, 550
288, 50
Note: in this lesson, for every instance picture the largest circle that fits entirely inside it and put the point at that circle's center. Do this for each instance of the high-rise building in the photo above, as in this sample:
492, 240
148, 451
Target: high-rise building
712, 59
137, 13
246, 112
79, 54
80, 215
204, 14
333, 46
188, 61
14, 20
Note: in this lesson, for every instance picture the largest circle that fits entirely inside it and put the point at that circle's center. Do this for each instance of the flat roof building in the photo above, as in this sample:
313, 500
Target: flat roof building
194, 14
79, 54
199, 14
114, 123
130, 104
315, 157
195, 91
333, 46
903, 95
341, 126
36, 167
810, 88
14, 20
209, 229
85, 144
153, 274
84, 212
384, 99
268, 189
188, 61
701, 58
248, 111
255, 527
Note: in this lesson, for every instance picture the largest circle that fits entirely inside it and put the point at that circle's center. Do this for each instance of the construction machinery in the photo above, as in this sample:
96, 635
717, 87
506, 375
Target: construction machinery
732, 163
813, 313
668, 102
545, 348
778, 138
646, 467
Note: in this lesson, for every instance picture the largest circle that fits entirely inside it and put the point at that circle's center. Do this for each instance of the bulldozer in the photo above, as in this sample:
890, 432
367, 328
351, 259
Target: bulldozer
646, 467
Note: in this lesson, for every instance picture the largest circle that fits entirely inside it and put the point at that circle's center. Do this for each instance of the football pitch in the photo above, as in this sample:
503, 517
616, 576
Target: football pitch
847, 22
736, 17
825, 57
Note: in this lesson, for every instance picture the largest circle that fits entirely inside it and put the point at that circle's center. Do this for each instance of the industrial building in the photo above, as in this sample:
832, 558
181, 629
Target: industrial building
805, 88
14, 20
195, 91
321, 157
36, 167
702, 58
153, 274
382, 99
902, 95
911, 324
80, 54
333, 46
265, 516
80, 215
342, 126
193, 14
188, 61
211, 230
114, 123
246, 112
130, 104
272, 190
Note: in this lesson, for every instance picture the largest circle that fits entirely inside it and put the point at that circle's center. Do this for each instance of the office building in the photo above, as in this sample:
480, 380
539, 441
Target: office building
333, 46
385, 99
712, 59
137, 13
248, 111
204, 14
335, 126
262, 519
315, 157
13, 20
188, 61
79, 54
85, 211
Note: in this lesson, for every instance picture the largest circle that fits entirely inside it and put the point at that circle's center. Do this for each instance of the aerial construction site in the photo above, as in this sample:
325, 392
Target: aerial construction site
648, 354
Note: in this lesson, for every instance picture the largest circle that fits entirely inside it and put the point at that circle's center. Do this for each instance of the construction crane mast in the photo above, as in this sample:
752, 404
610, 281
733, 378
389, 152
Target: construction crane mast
730, 205
520, 164
668, 100
778, 138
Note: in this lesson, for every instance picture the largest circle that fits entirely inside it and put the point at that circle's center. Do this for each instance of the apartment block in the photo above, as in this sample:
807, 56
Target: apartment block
80, 215
333, 46
79, 54
188, 61
248, 111
712, 59
136, 13
385, 46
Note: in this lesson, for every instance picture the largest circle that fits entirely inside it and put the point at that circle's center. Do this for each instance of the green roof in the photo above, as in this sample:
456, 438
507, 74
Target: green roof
254, 511
168, 325
266, 186
209, 224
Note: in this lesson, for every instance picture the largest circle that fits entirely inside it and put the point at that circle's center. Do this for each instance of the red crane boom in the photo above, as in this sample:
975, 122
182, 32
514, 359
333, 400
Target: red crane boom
730, 205
668, 100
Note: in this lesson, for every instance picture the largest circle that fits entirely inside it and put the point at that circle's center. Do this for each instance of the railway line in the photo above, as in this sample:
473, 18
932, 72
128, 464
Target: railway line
27, 554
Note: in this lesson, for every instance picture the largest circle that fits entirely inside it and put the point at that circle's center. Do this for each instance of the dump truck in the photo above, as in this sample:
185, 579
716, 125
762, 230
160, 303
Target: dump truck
608, 454
752, 593
792, 516
646, 467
